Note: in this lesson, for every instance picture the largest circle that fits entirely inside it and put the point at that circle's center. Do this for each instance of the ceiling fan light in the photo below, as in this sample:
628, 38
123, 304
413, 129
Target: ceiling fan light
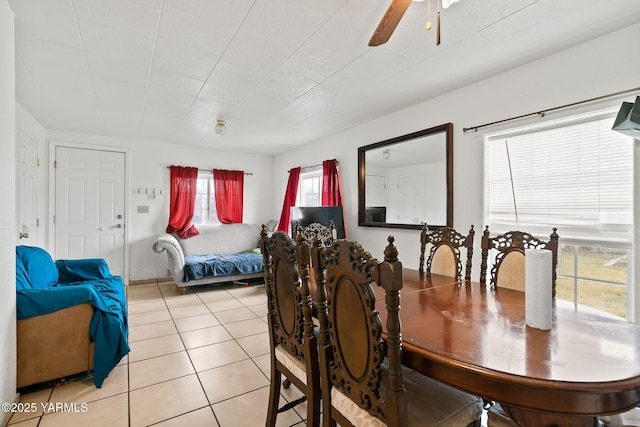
221, 128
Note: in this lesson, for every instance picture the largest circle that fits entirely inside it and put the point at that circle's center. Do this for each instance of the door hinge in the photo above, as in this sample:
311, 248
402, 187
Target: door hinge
38, 162
37, 222
55, 163
54, 219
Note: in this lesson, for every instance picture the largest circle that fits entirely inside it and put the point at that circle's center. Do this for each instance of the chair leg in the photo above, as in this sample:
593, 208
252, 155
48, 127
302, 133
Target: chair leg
274, 398
328, 421
313, 412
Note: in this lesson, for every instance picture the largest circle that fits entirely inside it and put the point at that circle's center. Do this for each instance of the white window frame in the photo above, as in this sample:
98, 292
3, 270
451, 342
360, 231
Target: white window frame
212, 215
305, 177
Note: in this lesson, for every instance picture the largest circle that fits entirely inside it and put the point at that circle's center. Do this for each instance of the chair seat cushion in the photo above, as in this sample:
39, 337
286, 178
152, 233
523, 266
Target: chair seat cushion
358, 416
497, 418
429, 403
625, 419
293, 364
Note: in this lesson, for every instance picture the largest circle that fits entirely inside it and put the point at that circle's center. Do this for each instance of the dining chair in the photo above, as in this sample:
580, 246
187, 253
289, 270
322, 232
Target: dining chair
363, 381
496, 417
508, 268
293, 343
327, 234
444, 256
623, 419
508, 272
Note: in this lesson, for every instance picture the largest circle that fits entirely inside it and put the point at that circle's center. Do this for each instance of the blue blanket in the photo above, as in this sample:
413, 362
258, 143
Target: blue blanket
44, 287
201, 266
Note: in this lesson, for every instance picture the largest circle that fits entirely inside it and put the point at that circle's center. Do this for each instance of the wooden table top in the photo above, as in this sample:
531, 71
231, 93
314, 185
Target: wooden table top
476, 338
413, 281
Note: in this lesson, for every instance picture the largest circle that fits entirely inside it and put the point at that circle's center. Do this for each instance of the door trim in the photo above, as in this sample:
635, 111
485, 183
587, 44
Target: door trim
53, 145
40, 197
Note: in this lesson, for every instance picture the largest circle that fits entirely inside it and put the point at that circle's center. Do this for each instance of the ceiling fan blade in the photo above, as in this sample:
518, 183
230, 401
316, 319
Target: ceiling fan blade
389, 22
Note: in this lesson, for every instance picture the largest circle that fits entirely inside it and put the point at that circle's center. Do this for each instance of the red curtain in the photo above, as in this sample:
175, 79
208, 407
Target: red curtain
182, 201
331, 195
229, 191
289, 199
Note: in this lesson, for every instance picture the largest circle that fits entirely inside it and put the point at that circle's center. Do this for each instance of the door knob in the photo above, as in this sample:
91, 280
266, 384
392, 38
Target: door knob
118, 216
118, 225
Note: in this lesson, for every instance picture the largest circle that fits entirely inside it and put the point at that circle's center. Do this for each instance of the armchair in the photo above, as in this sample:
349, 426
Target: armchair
72, 317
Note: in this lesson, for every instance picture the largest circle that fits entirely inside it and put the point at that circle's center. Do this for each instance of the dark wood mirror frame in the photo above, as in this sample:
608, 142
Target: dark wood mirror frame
448, 130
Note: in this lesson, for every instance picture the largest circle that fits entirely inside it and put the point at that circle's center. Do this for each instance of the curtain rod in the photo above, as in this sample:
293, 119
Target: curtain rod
313, 166
541, 113
209, 170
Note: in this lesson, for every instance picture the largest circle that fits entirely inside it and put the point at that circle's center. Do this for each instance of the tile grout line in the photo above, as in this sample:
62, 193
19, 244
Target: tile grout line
247, 354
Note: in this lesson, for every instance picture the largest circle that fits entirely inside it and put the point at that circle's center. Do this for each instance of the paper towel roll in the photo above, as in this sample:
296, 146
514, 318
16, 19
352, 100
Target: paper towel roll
538, 288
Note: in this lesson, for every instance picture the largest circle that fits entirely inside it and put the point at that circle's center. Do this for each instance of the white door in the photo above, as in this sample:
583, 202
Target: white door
411, 200
27, 196
89, 205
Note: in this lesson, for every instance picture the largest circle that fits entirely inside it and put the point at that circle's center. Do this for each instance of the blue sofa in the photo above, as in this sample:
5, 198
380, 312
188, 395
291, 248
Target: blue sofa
72, 317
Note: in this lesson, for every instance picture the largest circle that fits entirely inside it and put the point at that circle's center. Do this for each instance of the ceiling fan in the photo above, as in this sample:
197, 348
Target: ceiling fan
394, 14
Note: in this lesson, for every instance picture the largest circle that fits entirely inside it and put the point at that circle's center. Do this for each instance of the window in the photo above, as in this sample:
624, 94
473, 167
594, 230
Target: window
205, 209
310, 189
576, 175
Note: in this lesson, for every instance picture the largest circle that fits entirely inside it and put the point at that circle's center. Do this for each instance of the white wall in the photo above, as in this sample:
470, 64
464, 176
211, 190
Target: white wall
8, 213
148, 161
601, 66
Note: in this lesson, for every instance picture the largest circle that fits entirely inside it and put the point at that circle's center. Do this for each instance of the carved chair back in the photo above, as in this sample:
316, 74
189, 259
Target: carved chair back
327, 234
508, 269
444, 256
350, 345
293, 343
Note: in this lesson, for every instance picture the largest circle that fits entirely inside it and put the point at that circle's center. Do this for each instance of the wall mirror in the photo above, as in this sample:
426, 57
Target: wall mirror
407, 181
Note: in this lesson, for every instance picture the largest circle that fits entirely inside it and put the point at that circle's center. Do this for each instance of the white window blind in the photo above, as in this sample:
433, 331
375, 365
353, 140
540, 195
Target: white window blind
577, 177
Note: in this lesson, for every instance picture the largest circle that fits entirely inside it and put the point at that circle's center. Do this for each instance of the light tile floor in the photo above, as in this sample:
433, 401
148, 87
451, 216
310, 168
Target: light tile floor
199, 359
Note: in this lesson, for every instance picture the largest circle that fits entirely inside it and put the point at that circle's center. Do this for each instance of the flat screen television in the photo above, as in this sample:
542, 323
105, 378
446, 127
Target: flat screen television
376, 214
322, 215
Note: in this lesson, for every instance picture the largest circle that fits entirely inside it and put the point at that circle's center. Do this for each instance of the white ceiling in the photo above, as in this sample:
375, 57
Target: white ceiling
282, 73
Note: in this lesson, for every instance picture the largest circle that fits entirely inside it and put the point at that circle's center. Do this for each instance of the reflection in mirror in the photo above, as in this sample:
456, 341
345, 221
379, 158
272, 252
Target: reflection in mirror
406, 181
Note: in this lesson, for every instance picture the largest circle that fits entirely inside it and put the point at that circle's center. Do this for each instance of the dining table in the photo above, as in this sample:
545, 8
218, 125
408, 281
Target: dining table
475, 338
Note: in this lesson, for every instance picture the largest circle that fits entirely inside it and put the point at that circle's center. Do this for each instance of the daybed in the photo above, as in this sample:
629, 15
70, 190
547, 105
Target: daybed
220, 253
72, 317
